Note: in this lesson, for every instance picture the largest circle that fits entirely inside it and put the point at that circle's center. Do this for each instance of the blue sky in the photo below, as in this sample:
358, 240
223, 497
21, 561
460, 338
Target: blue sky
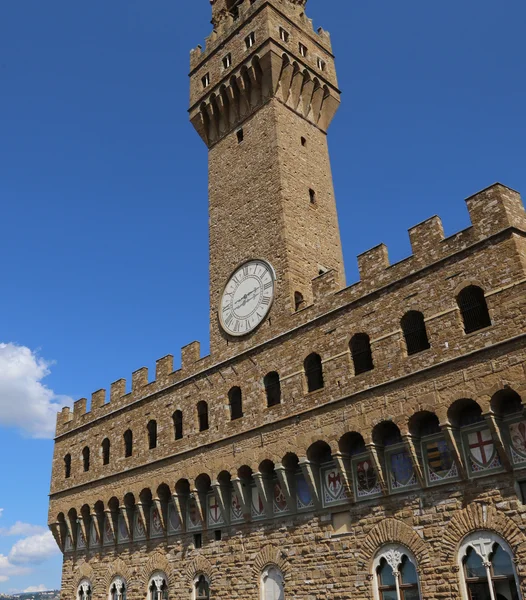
103, 187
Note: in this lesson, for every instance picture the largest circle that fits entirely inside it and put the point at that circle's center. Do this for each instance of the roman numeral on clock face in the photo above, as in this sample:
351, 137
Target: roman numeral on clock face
247, 298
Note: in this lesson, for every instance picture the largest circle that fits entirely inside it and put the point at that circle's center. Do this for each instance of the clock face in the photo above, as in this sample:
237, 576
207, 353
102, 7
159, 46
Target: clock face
247, 298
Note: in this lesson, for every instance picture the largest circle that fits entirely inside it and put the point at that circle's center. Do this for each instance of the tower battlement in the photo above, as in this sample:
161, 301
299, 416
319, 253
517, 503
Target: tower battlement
493, 210
226, 21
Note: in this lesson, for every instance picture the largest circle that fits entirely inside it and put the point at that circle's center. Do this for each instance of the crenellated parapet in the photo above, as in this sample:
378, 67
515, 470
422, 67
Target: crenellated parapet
227, 15
493, 211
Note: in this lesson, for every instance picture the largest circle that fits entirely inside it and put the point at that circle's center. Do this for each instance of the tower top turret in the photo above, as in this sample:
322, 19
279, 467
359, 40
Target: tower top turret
225, 10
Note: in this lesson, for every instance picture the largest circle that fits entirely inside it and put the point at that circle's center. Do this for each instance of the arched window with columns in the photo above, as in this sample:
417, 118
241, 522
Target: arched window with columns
85, 590
487, 568
201, 588
158, 587
395, 575
272, 584
118, 589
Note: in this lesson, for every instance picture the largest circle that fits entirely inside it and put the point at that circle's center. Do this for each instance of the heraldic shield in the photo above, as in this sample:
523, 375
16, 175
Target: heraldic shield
367, 483
482, 452
401, 471
439, 461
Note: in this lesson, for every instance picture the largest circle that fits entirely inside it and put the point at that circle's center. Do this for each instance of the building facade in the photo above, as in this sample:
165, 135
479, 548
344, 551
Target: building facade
364, 442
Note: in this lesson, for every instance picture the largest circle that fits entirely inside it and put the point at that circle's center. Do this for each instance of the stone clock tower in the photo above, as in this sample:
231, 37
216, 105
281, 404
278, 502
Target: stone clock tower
263, 93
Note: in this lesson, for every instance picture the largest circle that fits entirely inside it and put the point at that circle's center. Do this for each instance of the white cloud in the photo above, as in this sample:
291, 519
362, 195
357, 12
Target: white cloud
20, 529
33, 550
1, 512
36, 588
8, 569
25, 402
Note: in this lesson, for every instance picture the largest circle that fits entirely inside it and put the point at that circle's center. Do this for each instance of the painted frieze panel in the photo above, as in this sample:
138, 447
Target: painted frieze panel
518, 442
174, 522
438, 460
193, 520
156, 525
332, 485
139, 529
401, 472
215, 516
366, 481
257, 508
481, 453
279, 501
303, 494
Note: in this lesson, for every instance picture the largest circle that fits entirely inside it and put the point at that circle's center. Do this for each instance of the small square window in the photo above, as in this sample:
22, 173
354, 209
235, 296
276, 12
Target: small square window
218, 534
227, 61
284, 35
198, 540
206, 80
250, 40
303, 50
322, 65
240, 136
522, 487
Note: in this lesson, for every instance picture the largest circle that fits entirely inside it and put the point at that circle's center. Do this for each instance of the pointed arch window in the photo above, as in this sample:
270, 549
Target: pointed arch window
67, 466
361, 353
202, 415
86, 459
85, 590
178, 424
152, 435
415, 332
106, 451
128, 443
235, 400
272, 584
473, 308
118, 589
487, 568
272, 385
314, 372
396, 577
201, 588
158, 587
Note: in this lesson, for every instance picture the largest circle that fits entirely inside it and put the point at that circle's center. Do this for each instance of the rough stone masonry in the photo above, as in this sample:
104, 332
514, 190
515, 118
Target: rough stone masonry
358, 442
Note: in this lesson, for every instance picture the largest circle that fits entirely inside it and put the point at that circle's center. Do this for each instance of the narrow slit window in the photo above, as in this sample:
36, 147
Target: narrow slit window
250, 40
227, 61
206, 80
240, 136
312, 196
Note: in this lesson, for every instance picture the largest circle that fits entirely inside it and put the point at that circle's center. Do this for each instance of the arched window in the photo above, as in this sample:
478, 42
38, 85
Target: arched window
415, 332
486, 563
272, 389
85, 590
314, 372
235, 400
202, 415
67, 466
118, 589
152, 435
128, 443
299, 301
201, 588
158, 587
473, 308
361, 353
178, 424
396, 576
272, 586
86, 459
106, 451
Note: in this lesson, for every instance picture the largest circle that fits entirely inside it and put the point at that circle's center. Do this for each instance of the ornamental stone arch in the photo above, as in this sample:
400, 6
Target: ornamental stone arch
199, 566
478, 517
85, 571
271, 556
156, 563
393, 531
117, 568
